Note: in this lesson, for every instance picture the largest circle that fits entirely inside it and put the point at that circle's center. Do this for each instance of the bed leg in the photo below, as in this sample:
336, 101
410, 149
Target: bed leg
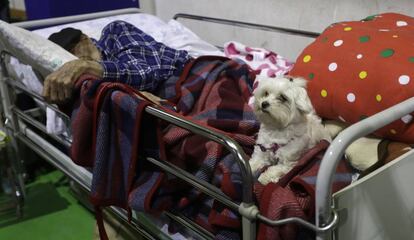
249, 213
249, 228
11, 128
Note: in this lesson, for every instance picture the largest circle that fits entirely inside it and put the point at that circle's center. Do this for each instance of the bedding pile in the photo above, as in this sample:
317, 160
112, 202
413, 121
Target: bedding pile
198, 97
112, 134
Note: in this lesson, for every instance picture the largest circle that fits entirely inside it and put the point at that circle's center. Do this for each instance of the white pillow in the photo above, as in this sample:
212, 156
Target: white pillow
180, 37
33, 49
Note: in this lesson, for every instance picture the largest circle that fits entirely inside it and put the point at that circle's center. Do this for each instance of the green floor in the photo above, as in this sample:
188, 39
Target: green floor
50, 212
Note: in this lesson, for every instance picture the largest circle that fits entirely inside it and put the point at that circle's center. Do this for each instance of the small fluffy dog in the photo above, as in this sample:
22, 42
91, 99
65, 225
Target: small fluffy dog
289, 126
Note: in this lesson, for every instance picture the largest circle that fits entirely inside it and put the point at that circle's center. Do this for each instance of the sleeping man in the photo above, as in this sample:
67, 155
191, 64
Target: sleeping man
123, 54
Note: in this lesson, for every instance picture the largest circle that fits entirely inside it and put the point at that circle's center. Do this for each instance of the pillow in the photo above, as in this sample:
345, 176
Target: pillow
356, 69
180, 37
35, 50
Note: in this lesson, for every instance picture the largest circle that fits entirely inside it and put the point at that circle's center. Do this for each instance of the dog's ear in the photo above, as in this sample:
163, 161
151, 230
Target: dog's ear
297, 81
303, 102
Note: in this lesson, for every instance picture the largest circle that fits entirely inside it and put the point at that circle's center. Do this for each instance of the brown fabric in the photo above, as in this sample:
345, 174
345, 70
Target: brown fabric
387, 152
396, 149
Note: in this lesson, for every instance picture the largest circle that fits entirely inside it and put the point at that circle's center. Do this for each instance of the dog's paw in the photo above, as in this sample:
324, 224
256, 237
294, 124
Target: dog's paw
267, 178
257, 162
273, 174
256, 165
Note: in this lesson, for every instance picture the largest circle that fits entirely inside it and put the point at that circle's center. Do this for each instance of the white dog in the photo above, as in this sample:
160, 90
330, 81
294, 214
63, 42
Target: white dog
289, 126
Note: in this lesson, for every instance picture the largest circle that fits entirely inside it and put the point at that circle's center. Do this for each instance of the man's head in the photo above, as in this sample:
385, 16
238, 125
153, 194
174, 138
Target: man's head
58, 85
77, 43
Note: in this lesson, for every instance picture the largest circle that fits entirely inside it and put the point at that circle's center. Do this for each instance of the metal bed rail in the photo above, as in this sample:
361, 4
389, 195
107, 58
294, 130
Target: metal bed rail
241, 24
337, 148
24, 123
25, 133
247, 209
229, 143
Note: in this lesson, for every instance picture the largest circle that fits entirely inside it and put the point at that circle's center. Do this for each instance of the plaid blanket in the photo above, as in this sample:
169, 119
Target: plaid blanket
107, 124
112, 132
213, 92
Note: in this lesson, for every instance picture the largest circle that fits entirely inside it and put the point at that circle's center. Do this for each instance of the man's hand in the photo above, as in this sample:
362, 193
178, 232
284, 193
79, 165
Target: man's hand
58, 86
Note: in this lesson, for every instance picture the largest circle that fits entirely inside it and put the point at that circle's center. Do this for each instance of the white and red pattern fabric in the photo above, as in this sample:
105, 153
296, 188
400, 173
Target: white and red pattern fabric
263, 62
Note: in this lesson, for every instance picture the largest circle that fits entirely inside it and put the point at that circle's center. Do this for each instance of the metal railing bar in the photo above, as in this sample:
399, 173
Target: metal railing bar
323, 194
30, 120
202, 186
22, 88
135, 222
290, 31
190, 224
300, 221
58, 164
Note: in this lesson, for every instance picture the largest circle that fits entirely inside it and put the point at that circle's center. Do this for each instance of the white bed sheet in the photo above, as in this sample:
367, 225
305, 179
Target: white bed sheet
172, 34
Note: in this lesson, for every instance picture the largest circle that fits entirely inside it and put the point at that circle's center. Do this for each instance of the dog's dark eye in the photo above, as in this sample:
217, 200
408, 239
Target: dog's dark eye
282, 98
265, 94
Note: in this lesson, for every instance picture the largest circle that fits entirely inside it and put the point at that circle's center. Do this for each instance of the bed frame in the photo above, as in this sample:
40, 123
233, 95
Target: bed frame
334, 215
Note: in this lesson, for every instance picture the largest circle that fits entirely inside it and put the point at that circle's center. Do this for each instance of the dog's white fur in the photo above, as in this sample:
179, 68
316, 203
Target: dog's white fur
288, 119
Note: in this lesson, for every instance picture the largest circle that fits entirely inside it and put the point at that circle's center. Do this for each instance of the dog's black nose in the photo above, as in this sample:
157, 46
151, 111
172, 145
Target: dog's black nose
265, 104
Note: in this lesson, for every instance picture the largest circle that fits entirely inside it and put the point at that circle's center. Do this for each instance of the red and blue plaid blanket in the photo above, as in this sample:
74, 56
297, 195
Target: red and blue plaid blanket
109, 137
112, 134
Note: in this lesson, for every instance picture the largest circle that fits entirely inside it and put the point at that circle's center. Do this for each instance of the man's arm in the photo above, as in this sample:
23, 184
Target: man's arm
58, 86
133, 70
135, 58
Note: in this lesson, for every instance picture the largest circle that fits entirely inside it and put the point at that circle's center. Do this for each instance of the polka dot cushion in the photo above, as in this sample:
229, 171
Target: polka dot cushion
356, 69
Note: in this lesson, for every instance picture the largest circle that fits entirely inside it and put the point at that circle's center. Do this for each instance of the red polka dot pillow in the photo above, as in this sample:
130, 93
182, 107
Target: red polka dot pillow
356, 69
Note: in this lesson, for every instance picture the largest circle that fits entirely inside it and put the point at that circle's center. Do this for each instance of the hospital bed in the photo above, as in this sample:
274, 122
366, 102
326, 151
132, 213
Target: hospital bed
380, 206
